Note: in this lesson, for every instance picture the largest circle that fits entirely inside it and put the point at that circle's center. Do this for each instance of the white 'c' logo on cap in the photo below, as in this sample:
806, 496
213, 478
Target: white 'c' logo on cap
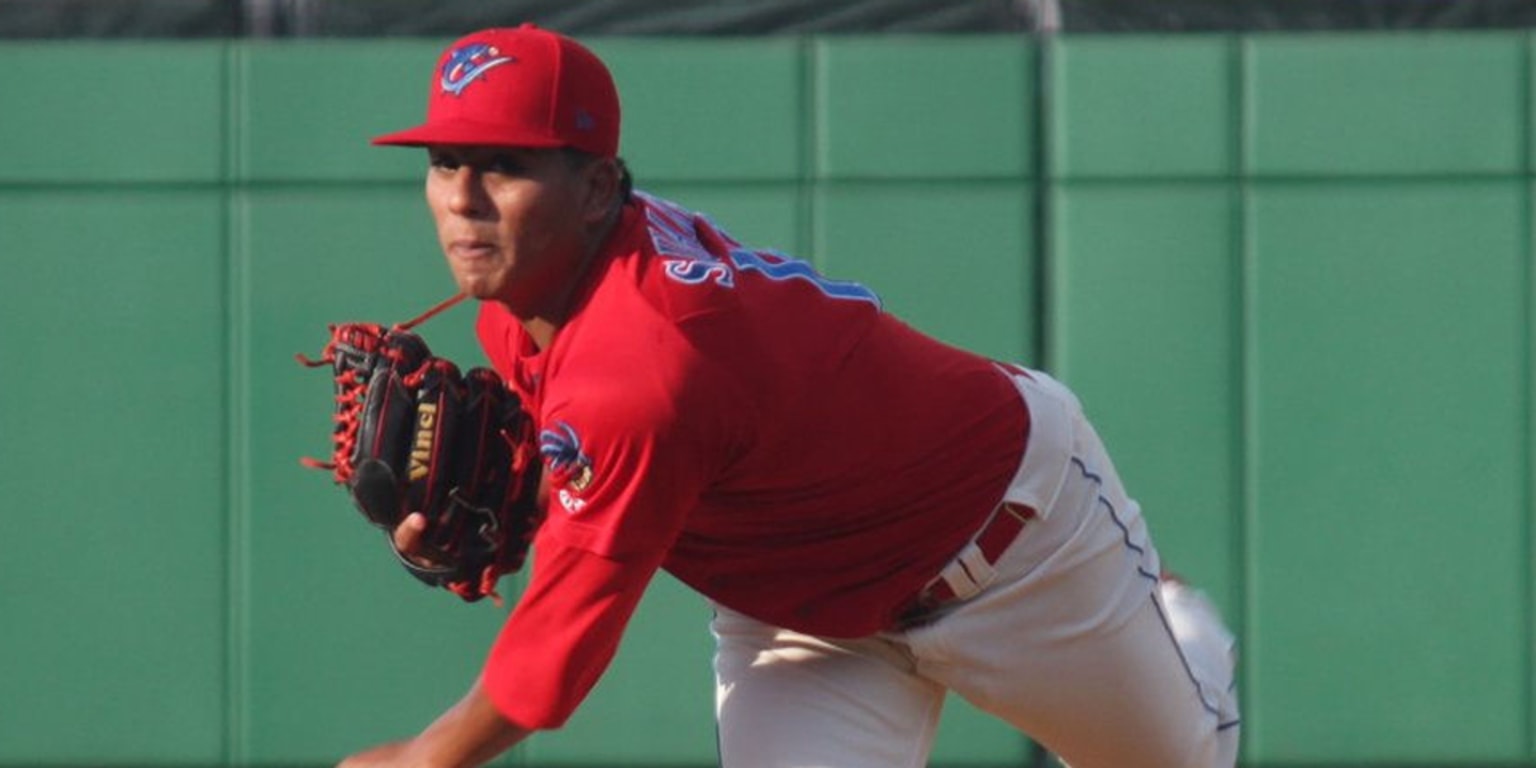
467, 63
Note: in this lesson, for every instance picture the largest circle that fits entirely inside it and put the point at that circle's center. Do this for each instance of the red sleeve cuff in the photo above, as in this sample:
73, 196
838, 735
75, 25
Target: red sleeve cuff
563, 633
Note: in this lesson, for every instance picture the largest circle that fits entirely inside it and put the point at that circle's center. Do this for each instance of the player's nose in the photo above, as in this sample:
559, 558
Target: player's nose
466, 191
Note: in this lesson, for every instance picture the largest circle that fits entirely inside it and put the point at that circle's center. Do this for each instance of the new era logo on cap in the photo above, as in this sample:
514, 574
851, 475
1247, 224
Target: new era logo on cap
468, 62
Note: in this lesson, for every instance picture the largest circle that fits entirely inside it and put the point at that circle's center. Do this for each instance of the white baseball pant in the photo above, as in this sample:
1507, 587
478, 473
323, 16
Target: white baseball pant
1068, 638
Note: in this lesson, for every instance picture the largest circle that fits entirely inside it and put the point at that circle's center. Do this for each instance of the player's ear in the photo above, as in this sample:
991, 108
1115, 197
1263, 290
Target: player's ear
600, 179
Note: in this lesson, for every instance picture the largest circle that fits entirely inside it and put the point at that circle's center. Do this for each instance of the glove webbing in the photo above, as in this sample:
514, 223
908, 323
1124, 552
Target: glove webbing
352, 357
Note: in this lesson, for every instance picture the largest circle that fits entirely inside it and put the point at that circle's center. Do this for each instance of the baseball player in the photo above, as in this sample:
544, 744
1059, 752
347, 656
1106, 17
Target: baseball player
877, 518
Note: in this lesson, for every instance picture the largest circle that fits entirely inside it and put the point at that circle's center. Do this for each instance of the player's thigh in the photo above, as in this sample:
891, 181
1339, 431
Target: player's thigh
1077, 653
1130, 702
1210, 651
789, 700
1095, 678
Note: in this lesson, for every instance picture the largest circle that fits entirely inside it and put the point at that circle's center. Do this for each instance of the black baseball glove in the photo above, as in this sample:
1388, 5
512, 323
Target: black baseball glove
414, 435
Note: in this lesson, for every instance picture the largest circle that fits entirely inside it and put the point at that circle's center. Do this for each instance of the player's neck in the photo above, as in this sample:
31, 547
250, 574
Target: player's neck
541, 327
540, 330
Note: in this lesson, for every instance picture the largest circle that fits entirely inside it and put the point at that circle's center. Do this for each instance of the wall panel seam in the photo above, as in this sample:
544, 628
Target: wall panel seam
1529, 372
1245, 521
237, 319
1037, 150
805, 178
1037, 243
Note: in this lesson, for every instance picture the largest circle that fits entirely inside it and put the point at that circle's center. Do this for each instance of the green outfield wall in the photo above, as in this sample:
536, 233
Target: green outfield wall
1291, 275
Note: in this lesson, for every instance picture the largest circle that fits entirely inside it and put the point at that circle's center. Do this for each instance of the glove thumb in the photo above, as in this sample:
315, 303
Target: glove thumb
377, 493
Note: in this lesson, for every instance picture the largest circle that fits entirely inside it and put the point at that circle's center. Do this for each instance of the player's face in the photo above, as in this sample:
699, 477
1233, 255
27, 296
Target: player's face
514, 223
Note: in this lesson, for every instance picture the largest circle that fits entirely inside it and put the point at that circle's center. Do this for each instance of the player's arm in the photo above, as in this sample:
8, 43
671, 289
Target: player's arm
549, 654
471, 733
564, 633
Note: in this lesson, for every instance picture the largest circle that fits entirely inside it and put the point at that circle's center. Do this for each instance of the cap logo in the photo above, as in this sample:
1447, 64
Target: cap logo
467, 63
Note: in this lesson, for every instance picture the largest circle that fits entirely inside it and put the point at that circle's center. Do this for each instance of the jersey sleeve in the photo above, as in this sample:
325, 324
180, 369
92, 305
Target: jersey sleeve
630, 447
564, 632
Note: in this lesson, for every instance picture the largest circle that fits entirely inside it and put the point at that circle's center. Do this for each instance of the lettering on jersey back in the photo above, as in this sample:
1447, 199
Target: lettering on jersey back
674, 234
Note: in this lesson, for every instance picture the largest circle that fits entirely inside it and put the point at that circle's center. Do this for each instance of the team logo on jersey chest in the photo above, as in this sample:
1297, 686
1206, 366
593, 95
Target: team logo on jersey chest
468, 63
570, 470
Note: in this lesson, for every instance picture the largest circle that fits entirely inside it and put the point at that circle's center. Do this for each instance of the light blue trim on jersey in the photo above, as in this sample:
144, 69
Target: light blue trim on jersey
784, 267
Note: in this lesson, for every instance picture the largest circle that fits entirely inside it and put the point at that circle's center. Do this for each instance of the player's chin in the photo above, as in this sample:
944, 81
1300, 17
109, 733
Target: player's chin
477, 284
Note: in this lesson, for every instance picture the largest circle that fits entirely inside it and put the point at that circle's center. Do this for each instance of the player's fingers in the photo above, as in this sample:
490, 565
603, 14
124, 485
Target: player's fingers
409, 532
409, 535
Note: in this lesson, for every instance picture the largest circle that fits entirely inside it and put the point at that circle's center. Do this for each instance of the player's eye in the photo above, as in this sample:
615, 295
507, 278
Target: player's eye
504, 164
443, 161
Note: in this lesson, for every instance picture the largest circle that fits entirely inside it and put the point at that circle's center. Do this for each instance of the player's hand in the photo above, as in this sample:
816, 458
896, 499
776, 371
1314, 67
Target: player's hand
409, 535
382, 756
411, 531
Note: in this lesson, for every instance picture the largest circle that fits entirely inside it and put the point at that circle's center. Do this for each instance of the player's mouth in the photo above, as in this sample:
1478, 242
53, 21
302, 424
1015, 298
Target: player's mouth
471, 251
476, 266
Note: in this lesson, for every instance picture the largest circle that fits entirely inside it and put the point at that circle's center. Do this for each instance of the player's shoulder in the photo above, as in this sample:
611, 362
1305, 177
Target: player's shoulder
674, 261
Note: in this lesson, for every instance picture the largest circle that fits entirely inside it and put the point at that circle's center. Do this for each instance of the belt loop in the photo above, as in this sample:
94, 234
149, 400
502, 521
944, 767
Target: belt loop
1020, 512
974, 569
968, 573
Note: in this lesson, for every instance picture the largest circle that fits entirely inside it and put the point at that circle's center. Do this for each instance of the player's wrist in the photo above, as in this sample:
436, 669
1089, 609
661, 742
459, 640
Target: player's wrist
421, 752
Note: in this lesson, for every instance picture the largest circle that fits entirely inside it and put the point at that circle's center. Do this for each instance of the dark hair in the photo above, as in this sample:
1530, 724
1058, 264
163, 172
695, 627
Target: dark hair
579, 159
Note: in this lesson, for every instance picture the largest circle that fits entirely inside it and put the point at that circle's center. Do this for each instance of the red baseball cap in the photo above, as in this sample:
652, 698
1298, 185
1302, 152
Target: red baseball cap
519, 87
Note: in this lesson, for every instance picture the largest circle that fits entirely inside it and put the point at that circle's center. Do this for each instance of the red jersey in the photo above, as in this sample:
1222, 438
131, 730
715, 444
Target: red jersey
772, 438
